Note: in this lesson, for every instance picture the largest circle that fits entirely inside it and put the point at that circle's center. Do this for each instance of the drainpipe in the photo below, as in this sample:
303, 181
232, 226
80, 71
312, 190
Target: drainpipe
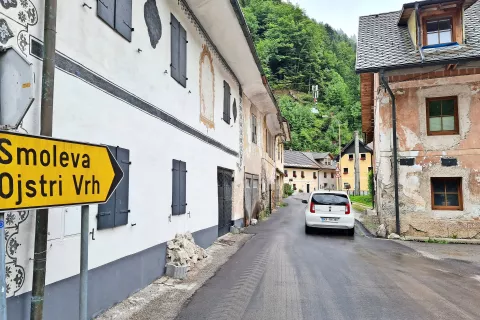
395, 158
41, 223
419, 36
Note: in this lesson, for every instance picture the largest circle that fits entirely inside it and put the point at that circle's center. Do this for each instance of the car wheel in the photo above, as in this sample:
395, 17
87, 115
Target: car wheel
351, 232
307, 229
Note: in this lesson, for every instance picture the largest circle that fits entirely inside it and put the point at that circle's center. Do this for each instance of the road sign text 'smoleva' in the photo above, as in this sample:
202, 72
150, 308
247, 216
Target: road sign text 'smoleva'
43, 172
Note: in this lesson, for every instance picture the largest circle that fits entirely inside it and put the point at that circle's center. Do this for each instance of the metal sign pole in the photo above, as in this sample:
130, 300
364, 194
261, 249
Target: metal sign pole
3, 286
84, 264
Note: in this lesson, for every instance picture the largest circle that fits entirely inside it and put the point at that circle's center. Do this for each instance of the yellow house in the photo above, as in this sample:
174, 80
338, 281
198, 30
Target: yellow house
347, 166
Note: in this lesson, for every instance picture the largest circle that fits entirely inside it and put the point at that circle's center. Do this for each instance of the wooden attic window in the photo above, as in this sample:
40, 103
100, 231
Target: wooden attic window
442, 24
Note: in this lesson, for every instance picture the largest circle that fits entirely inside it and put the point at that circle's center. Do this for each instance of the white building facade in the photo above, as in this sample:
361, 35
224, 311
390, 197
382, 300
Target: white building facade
163, 88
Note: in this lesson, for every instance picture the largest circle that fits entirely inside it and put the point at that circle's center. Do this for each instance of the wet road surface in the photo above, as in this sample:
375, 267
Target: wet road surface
282, 273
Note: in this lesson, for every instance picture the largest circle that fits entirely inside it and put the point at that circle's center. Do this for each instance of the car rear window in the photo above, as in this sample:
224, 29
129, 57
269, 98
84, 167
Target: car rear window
330, 199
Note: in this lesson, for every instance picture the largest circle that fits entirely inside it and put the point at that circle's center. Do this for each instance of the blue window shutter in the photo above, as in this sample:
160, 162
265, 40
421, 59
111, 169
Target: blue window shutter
226, 102
175, 48
106, 11
121, 194
183, 188
123, 18
106, 211
175, 187
183, 56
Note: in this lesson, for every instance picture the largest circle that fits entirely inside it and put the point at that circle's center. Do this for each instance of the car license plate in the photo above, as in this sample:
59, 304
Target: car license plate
329, 219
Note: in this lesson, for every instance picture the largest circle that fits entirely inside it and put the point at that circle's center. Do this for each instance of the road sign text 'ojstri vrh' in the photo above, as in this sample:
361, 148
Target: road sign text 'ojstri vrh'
39, 172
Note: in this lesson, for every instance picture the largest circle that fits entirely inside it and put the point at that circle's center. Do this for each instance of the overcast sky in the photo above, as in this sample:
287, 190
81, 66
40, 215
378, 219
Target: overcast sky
344, 14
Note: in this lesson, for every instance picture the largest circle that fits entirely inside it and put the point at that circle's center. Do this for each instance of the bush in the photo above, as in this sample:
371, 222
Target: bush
371, 185
301, 191
287, 190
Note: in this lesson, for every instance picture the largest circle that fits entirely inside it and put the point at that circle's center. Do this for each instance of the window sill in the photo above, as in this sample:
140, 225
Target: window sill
447, 208
442, 133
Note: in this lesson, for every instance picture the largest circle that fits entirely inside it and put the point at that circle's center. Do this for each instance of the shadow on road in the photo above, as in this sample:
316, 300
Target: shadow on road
331, 233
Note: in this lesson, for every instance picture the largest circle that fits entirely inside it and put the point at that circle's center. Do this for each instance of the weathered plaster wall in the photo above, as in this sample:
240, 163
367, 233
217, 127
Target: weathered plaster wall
417, 217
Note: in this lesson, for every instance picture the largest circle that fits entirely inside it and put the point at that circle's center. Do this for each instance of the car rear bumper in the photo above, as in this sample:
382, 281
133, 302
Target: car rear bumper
315, 221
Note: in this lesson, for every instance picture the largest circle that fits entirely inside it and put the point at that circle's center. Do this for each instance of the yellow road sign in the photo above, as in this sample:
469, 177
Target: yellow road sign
39, 172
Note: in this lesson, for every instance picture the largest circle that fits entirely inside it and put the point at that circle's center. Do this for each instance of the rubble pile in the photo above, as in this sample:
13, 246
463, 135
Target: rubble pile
182, 250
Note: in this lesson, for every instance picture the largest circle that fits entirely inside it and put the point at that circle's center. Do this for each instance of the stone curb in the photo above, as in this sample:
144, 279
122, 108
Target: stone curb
365, 230
448, 240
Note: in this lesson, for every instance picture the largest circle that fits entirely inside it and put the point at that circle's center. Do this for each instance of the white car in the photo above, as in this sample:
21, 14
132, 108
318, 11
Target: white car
329, 210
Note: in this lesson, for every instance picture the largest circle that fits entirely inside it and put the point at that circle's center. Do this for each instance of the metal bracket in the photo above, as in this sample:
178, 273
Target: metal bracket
170, 218
93, 234
132, 29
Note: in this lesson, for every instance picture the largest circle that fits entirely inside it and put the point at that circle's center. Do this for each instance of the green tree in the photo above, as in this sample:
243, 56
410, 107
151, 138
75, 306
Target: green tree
297, 52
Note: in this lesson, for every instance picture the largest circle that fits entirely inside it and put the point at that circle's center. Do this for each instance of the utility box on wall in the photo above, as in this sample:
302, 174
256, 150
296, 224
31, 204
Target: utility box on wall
16, 87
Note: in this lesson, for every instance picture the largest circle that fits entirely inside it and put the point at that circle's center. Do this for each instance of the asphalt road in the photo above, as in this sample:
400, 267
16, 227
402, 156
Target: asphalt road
282, 273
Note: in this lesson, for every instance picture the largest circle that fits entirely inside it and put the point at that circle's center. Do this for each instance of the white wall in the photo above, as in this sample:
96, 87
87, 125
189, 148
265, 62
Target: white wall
85, 113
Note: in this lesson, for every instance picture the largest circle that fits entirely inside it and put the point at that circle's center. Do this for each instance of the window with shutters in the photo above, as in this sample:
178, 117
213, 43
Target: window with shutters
178, 52
118, 15
115, 211
226, 102
179, 187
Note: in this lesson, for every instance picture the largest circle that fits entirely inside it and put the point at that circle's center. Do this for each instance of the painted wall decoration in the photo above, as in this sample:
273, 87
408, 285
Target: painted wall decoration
207, 88
21, 14
21, 11
153, 22
5, 31
234, 109
9, 3
15, 273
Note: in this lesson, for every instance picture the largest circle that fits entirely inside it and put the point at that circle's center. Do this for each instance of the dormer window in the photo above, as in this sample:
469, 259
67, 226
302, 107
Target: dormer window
438, 31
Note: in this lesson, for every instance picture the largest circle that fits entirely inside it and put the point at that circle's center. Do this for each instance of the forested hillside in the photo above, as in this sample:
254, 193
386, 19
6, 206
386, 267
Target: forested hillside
298, 52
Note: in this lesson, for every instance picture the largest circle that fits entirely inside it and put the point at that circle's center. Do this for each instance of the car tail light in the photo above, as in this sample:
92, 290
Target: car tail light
312, 207
347, 208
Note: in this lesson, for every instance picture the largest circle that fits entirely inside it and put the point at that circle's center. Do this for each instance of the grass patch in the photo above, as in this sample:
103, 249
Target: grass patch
263, 215
430, 240
365, 200
358, 207
283, 204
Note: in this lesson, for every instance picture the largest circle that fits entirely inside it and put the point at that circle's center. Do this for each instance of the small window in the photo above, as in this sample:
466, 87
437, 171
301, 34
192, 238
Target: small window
332, 175
303, 174
438, 31
226, 102
447, 194
314, 175
350, 157
118, 15
442, 116
345, 170
325, 185
294, 186
363, 156
179, 187
286, 173
115, 211
254, 129
370, 169
294, 173
178, 51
